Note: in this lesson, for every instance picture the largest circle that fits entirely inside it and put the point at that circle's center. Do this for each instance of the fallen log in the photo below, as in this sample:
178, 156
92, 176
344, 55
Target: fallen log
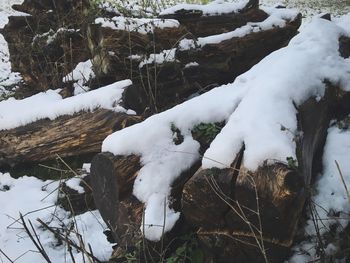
257, 214
162, 80
201, 25
112, 180
73, 135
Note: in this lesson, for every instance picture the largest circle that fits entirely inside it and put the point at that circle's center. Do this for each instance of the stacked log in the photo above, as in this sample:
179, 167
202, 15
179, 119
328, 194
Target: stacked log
160, 86
47, 43
75, 135
155, 87
253, 216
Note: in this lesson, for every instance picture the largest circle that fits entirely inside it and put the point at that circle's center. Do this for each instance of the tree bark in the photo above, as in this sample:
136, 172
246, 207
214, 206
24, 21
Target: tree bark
263, 208
112, 180
66, 136
161, 86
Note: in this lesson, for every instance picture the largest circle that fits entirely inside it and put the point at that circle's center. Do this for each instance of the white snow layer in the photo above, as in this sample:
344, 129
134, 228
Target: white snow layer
212, 8
141, 25
165, 56
277, 18
254, 108
80, 75
331, 197
49, 104
34, 199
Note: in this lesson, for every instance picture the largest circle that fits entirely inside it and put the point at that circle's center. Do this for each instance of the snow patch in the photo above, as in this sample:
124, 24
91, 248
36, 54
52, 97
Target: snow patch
141, 25
49, 104
167, 55
37, 199
80, 75
331, 197
213, 8
277, 18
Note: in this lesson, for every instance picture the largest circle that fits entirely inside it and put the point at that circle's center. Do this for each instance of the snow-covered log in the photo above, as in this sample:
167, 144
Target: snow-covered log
189, 50
44, 125
112, 180
46, 42
260, 165
203, 21
70, 135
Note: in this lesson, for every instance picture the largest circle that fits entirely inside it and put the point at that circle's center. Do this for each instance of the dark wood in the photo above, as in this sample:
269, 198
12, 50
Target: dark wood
344, 46
208, 195
159, 87
73, 135
218, 64
281, 189
112, 180
226, 245
251, 212
201, 26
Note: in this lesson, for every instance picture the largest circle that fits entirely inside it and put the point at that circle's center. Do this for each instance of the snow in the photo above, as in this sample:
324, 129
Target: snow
330, 197
74, 183
263, 99
277, 18
49, 104
141, 25
80, 75
165, 56
191, 64
212, 8
32, 198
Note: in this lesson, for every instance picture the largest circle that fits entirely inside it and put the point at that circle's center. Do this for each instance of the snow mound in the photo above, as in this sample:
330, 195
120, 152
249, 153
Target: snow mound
270, 89
49, 104
34, 199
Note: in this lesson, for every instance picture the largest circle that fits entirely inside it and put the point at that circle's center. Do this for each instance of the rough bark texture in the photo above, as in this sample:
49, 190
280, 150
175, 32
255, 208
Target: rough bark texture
112, 181
42, 48
263, 207
199, 25
66, 136
161, 86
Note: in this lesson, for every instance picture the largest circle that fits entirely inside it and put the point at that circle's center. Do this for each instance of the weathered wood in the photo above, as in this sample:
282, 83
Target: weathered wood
201, 26
214, 185
344, 46
73, 201
47, 44
160, 86
221, 63
221, 242
112, 181
264, 210
172, 83
73, 135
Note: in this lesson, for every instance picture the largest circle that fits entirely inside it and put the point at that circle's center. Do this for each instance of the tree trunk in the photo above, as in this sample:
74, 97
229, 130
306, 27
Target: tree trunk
262, 209
66, 136
161, 86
